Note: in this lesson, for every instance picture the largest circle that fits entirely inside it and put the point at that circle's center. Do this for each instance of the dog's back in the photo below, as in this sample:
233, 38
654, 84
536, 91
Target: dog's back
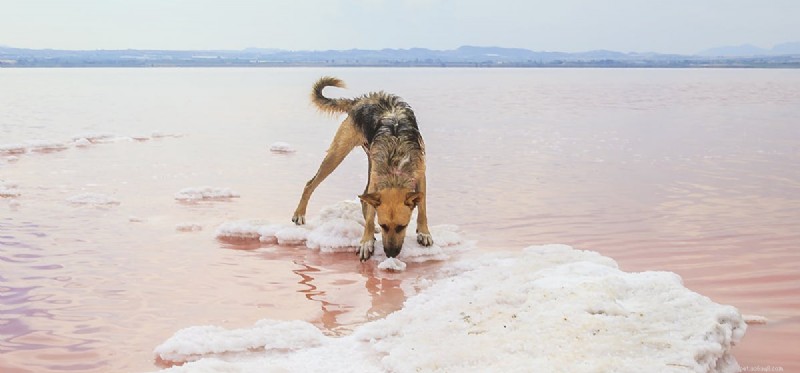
374, 114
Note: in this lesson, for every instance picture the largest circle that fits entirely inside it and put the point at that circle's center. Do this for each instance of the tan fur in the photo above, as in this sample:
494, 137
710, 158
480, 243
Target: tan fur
396, 182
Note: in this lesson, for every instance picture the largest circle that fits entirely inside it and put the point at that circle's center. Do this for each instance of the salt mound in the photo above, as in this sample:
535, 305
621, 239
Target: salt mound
392, 264
205, 193
8, 190
188, 227
161, 135
281, 147
44, 146
93, 137
339, 228
92, 199
82, 142
544, 309
10, 149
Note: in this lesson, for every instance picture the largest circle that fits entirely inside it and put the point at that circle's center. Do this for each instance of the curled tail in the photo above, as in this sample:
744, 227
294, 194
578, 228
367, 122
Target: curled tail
330, 105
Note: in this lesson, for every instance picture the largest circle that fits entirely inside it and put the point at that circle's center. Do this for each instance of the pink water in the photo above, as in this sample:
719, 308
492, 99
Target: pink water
690, 171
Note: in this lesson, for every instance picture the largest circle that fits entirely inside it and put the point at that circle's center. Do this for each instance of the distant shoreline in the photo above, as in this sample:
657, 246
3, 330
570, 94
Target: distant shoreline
467, 56
443, 66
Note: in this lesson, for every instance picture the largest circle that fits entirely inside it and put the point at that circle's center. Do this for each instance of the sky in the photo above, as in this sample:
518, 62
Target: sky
665, 26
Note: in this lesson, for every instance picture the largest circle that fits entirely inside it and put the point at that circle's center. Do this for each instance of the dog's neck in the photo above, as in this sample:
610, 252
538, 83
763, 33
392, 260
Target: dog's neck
396, 181
394, 163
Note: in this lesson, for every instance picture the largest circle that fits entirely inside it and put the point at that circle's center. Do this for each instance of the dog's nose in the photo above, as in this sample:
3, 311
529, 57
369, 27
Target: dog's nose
392, 251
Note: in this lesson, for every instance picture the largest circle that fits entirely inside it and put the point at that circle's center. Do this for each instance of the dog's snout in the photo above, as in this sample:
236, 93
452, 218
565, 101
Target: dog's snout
392, 251
392, 245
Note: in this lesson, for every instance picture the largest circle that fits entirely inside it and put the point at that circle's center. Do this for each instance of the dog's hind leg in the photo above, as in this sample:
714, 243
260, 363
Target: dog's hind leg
346, 138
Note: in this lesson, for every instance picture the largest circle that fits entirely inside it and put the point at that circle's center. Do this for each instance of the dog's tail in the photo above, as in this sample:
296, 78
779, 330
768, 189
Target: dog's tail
330, 105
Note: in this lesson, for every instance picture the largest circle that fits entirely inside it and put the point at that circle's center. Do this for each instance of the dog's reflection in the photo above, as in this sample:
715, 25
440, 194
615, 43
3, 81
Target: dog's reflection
343, 305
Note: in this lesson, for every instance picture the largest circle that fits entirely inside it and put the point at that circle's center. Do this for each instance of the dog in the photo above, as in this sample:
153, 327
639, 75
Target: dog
385, 127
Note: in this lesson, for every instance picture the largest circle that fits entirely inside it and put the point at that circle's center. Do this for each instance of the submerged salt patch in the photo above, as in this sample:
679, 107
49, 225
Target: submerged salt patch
281, 147
161, 135
547, 308
188, 227
755, 319
205, 193
93, 199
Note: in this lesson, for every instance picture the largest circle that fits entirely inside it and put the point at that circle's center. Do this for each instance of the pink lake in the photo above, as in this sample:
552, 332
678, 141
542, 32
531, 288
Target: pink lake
692, 171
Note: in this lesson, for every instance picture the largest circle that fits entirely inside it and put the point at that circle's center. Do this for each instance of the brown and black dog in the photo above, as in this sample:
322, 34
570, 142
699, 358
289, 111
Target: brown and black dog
385, 127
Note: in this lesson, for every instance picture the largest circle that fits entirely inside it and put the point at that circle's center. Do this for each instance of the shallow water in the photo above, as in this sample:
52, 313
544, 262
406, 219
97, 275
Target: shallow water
690, 171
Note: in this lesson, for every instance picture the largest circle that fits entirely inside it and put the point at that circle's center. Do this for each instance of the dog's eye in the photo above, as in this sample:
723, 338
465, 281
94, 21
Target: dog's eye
385, 227
400, 228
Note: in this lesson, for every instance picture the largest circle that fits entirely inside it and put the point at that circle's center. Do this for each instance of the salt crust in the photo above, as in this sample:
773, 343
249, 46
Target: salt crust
188, 227
281, 147
338, 228
92, 199
8, 190
544, 309
205, 193
81, 140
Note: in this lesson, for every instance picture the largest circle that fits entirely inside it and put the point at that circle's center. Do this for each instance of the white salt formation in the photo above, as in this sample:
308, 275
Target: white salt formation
92, 199
93, 137
188, 227
544, 309
338, 228
45, 146
8, 190
10, 149
392, 264
281, 147
205, 193
81, 141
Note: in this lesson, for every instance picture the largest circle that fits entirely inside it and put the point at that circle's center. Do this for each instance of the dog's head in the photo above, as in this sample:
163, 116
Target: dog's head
393, 206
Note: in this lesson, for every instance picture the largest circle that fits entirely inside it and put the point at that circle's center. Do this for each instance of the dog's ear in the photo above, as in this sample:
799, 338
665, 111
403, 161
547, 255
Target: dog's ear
373, 199
413, 198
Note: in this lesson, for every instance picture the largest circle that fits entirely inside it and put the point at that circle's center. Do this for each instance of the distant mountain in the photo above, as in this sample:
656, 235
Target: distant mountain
746, 50
787, 48
735, 50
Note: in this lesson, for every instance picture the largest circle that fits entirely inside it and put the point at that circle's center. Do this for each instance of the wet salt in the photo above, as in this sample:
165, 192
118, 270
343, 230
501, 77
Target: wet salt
281, 147
205, 193
547, 308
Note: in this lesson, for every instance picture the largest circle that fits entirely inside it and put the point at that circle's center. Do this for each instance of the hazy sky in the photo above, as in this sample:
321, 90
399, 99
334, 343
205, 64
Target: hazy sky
669, 26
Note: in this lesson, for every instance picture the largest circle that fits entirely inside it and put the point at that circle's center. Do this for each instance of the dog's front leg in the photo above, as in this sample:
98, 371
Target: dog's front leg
424, 237
367, 246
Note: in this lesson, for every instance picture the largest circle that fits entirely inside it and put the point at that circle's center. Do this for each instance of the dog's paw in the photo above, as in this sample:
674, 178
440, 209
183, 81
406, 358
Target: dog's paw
424, 239
366, 249
299, 219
